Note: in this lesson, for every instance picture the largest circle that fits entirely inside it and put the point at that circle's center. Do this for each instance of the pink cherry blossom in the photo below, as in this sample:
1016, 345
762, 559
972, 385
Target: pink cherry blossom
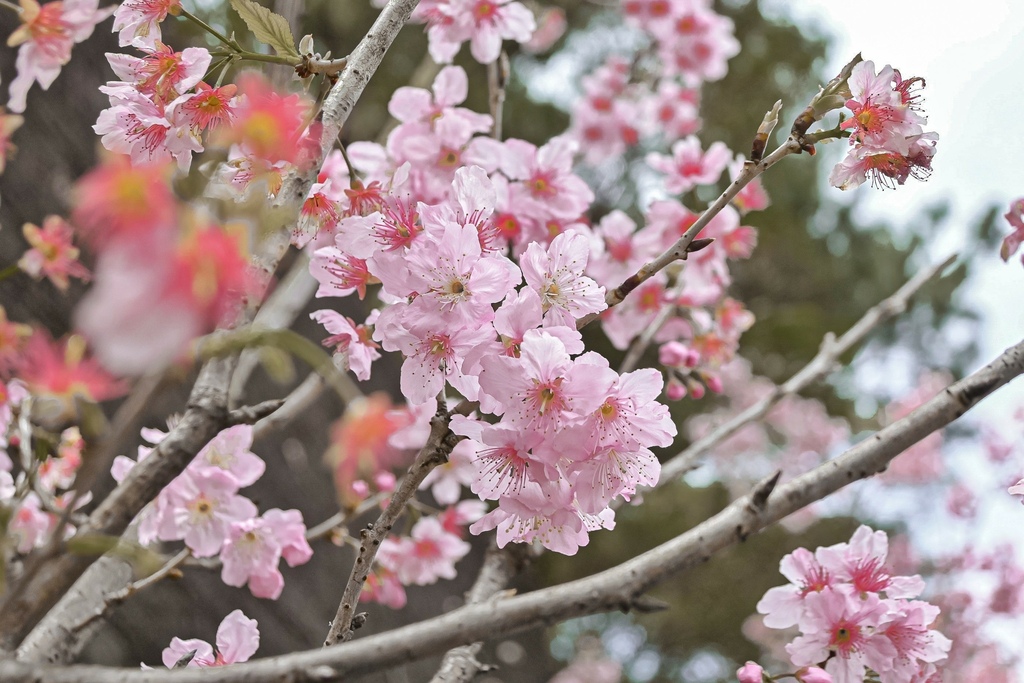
52, 254
352, 342
202, 505
845, 627
138, 21
543, 514
907, 628
548, 187
428, 554
861, 562
485, 23
1012, 242
44, 42
783, 605
451, 274
254, 547
689, 166
543, 390
162, 74
238, 638
557, 276
229, 452
31, 526
450, 88
502, 463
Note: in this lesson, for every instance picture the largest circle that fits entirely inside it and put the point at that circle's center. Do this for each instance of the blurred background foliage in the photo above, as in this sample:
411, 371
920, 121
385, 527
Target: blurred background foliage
815, 270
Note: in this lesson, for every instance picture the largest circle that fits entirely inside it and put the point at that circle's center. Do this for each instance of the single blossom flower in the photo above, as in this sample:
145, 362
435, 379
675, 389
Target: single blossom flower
44, 41
138, 21
52, 255
238, 638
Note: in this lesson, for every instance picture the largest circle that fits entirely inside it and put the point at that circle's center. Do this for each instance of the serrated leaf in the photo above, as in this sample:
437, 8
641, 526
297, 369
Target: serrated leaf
268, 27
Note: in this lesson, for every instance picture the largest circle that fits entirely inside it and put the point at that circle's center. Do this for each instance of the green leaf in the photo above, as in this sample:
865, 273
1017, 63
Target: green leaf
268, 27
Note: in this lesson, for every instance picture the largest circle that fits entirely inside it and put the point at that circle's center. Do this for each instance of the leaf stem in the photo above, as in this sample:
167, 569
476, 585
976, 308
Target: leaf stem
14, 268
209, 29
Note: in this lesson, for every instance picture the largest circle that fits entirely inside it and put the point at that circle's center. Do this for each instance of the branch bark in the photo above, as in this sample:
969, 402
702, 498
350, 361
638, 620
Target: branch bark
439, 445
621, 587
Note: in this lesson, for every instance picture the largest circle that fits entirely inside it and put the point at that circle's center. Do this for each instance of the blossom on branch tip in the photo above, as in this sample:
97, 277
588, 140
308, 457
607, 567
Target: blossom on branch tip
138, 21
888, 142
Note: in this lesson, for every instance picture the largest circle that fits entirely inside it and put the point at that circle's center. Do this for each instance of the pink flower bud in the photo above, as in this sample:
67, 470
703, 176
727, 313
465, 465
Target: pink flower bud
360, 489
673, 354
697, 389
751, 672
714, 383
813, 674
385, 481
692, 359
675, 390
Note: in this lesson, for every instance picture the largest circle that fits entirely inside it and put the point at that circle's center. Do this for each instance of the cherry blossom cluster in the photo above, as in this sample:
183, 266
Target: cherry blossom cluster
443, 276
430, 551
692, 41
887, 141
238, 638
36, 494
46, 380
980, 592
856, 618
620, 108
141, 313
203, 508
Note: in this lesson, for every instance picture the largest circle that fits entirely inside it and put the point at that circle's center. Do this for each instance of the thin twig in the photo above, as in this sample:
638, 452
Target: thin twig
439, 445
679, 250
497, 77
294, 405
819, 367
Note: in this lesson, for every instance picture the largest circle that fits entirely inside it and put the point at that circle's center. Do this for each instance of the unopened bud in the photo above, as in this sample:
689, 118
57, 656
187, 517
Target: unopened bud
675, 390
673, 354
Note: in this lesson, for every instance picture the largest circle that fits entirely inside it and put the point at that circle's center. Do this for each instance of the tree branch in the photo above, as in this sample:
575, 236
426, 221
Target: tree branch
439, 445
500, 566
618, 588
681, 248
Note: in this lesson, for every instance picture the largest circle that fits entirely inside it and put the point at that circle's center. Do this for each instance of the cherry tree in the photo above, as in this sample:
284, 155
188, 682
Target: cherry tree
542, 346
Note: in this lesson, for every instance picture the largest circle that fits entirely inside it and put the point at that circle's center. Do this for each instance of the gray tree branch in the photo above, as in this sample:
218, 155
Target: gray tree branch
621, 587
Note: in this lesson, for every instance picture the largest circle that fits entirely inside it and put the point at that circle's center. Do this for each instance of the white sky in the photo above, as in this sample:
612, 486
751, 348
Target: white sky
972, 57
